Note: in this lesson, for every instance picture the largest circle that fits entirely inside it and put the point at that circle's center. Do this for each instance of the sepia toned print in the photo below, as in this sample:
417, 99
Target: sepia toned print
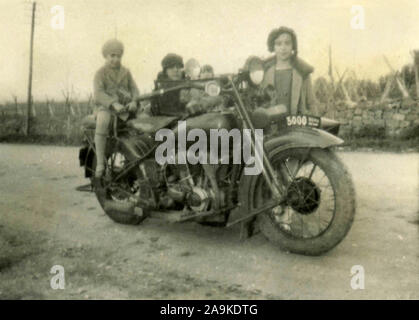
122, 129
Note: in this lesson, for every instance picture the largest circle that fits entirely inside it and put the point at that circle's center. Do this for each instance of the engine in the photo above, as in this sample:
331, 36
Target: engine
180, 187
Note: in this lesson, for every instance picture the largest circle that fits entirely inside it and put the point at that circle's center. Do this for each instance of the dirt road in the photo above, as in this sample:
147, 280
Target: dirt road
45, 222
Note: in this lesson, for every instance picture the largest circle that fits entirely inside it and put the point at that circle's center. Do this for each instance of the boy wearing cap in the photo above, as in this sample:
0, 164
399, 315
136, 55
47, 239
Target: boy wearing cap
114, 86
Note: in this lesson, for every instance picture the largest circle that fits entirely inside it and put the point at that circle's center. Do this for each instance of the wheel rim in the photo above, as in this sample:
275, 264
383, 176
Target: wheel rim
310, 203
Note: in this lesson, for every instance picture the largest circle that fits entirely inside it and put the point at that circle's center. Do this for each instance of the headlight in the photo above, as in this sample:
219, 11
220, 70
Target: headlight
256, 77
256, 71
212, 88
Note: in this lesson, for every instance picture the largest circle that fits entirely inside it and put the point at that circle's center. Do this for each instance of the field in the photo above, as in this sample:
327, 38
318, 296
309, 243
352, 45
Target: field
50, 122
59, 123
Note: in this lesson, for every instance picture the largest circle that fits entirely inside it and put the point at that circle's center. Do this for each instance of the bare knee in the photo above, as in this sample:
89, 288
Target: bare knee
103, 118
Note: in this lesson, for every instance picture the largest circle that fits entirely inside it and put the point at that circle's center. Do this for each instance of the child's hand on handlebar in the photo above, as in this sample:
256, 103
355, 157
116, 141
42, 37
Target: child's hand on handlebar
118, 107
194, 107
132, 106
121, 111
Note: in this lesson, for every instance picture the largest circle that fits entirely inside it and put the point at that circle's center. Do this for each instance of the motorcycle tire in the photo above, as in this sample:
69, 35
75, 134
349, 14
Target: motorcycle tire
344, 206
118, 216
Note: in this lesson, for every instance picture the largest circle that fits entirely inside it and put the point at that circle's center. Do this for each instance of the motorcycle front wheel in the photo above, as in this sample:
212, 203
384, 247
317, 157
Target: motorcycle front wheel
319, 205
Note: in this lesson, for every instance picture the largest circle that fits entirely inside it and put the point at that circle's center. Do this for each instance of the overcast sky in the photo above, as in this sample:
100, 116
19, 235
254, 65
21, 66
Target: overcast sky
219, 32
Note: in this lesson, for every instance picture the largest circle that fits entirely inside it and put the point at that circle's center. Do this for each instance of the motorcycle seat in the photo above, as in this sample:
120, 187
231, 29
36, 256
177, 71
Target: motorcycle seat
151, 124
145, 124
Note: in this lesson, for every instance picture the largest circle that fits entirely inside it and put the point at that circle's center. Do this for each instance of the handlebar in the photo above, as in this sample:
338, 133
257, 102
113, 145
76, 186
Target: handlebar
185, 85
224, 81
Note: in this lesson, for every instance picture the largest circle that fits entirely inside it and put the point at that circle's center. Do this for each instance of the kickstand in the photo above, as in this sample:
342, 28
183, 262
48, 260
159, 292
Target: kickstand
247, 229
85, 188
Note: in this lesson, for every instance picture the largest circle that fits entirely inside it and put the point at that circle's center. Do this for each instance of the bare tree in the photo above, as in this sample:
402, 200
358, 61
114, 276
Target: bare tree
394, 77
49, 106
14, 97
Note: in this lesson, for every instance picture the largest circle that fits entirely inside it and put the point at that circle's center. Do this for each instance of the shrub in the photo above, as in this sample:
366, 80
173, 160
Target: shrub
370, 131
410, 133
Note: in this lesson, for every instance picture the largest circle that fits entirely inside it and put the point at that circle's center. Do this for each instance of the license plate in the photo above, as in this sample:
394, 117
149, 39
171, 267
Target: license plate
302, 121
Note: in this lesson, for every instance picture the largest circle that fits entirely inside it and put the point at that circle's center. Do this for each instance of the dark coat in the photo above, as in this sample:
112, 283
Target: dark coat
171, 103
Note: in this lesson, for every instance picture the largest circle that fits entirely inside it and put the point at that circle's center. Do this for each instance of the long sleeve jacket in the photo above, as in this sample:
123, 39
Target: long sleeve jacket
114, 85
302, 96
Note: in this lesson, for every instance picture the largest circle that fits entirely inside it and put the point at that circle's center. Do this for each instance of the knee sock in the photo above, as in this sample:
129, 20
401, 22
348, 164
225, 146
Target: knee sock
100, 142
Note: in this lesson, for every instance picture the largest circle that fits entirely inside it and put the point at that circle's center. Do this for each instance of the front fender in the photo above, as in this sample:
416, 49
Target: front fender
302, 137
295, 137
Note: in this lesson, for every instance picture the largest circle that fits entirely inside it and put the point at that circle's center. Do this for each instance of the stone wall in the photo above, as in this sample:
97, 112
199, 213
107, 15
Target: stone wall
392, 119
396, 119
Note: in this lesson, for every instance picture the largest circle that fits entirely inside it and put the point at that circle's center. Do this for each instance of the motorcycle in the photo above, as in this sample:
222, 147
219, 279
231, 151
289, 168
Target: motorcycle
303, 200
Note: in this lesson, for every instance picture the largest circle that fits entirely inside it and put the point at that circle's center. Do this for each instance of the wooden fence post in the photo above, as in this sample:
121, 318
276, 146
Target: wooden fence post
387, 89
415, 55
33, 109
79, 109
51, 112
72, 110
16, 107
395, 75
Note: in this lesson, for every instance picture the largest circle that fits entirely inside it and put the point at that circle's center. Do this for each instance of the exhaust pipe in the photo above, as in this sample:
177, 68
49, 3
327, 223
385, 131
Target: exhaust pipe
128, 208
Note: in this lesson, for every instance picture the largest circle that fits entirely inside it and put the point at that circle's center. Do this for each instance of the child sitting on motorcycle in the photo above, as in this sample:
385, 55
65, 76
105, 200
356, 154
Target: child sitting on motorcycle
287, 76
185, 101
207, 72
114, 89
174, 102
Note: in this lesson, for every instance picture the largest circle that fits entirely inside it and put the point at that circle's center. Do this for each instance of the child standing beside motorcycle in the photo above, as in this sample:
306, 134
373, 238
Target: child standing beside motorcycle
114, 87
287, 82
287, 76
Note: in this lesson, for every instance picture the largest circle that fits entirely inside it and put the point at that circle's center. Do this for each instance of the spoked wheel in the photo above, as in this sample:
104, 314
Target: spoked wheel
115, 198
319, 201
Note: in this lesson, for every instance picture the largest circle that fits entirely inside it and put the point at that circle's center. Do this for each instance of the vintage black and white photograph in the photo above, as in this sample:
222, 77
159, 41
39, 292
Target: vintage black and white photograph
209, 150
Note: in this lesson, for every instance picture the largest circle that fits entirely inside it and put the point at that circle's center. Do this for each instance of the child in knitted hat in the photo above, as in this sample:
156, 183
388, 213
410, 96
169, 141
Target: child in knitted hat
114, 87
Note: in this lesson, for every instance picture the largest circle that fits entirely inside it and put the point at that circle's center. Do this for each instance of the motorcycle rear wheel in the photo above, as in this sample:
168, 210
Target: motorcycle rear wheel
105, 195
306, 232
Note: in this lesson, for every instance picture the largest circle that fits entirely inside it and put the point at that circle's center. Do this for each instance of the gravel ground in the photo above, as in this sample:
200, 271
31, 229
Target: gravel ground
45, 222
